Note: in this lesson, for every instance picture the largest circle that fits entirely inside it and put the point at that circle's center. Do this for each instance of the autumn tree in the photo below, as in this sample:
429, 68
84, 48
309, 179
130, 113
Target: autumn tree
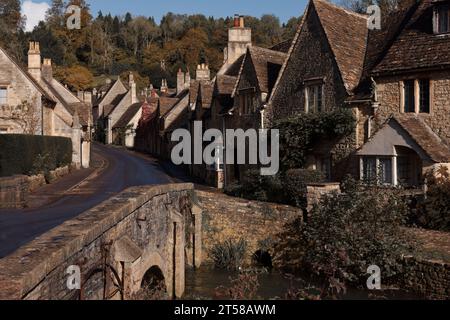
76, 77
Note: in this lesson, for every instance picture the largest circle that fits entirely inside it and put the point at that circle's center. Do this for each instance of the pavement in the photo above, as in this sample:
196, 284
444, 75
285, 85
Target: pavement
114, 169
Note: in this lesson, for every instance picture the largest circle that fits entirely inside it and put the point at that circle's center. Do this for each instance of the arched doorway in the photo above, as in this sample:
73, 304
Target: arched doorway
263, 258
153, 285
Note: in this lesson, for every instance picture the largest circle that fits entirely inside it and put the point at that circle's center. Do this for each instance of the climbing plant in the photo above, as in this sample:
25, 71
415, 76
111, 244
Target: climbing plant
300, 133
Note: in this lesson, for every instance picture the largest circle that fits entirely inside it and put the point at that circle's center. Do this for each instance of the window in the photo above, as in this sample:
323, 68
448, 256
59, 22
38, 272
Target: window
385, 170
369, 168
409, 96
416, 95
314, 98
441, 22
424, 99
3, 95
377, 169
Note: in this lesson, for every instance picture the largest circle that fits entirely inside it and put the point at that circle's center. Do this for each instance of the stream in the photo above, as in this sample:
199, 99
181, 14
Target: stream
203, 283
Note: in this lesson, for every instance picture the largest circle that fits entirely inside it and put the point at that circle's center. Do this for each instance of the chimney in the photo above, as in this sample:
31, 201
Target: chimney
164, 87
180, 81
241, 22
88, 98
203, 72
236, 21
187, 80
34, 60
239, 38
47, 70
132, 85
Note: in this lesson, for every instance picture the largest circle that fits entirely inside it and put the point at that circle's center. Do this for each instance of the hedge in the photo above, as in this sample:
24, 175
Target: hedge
29, 154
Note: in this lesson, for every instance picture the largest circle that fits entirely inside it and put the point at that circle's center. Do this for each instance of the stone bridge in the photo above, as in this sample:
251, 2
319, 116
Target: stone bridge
143, 233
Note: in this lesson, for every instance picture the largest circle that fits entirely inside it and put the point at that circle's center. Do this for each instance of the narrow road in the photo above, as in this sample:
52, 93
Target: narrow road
121, 169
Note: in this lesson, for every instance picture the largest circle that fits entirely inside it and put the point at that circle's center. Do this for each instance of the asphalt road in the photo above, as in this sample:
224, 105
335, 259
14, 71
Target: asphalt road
121, 169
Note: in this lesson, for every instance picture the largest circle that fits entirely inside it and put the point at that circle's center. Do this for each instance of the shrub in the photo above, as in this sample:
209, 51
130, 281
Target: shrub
434, 213
346, 236
30, 154
229, 254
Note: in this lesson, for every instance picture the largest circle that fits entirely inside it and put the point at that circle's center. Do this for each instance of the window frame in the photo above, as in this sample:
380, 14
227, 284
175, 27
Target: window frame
317, 90
4, 89
437, 19
417, 95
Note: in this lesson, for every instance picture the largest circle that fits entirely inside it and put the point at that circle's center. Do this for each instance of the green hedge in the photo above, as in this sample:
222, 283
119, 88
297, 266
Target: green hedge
29, 154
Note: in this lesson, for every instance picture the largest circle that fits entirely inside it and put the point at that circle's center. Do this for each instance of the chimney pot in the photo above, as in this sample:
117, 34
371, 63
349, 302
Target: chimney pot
236, 21
241, 22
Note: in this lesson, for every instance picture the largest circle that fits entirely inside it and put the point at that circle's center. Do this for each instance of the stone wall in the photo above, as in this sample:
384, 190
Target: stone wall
114, 244
14, 190
389, 96
428, 278
256, 222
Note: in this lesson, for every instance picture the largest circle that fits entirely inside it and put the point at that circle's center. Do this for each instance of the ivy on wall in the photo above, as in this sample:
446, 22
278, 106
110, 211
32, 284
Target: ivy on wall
300, 133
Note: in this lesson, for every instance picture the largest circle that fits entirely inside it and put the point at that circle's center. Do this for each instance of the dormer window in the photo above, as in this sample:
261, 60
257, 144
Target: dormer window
441, 23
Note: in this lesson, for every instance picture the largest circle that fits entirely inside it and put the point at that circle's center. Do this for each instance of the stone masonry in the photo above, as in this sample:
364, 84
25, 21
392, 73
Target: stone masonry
256, 222
115, 245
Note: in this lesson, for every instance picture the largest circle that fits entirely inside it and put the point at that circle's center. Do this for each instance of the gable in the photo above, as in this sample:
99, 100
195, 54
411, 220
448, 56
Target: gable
118, 88
346, 33
11, 70
310, 58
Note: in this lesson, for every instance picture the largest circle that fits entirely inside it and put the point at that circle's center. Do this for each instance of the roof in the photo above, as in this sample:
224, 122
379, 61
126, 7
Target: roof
235, 67
206, 93
346, 32
70, 102
416, 47
283, 46
260, 59
165, 104
422, 134
193, 91
128, 115
109, 108
378, 41
29, 77
224, 84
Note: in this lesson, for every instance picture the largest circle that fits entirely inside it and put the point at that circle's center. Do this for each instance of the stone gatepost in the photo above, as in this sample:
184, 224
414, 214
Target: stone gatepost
198, 218
76, 141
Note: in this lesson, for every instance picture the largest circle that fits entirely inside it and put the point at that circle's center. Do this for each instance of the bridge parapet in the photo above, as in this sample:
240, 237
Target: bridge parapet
114, 245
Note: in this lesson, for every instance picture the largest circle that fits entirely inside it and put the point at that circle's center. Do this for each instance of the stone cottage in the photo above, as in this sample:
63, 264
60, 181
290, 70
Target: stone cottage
395, 80
111, 105
33, 102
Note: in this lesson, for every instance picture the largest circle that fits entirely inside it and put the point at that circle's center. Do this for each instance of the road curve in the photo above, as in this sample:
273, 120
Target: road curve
123, 169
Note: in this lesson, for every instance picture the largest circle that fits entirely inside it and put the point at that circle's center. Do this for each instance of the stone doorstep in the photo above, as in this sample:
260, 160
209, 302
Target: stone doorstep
18, 271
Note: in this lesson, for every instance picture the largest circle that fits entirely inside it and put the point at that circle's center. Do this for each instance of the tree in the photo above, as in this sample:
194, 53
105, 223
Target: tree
11, 27
55, 14
76, 77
